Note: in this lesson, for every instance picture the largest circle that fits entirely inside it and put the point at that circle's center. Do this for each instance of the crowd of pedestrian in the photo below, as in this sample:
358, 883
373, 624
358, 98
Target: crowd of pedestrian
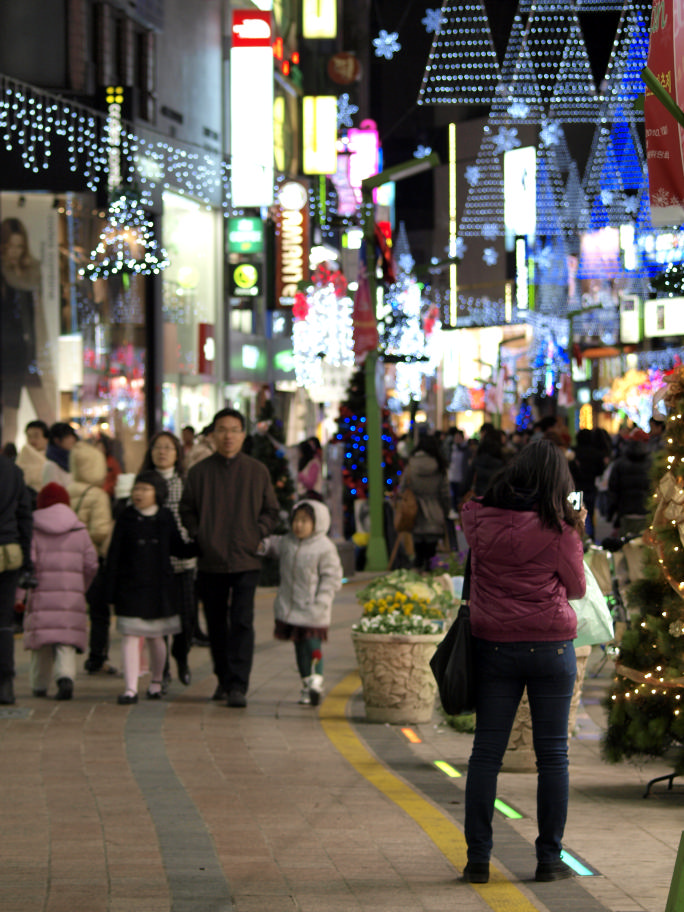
80, 538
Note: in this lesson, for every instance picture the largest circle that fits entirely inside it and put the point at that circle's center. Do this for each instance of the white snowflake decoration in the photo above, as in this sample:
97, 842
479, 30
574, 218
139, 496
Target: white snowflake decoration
550, 133
518, 110
386, 44
472, 175
545, 257
406, 263
490, 256
607, 197
661, 197
632, 205
432, 21
345, 111
458, 250
505, 140
422, 152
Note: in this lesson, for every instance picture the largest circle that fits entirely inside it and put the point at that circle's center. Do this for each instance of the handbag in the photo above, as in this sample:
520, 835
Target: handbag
594, 620
405, 511
452, 664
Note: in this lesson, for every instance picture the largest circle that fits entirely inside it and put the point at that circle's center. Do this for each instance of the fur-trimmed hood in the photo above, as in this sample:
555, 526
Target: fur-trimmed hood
87, 464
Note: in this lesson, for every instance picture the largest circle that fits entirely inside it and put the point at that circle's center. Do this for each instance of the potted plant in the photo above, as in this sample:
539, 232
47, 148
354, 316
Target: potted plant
404, 616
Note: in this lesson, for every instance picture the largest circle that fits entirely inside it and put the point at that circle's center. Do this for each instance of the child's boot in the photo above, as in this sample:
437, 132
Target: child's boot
304, 697
315, 688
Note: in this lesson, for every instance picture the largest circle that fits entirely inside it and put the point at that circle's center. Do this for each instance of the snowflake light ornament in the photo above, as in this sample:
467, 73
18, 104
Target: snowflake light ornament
518, 110
550, 133
490, 256
472, 175
345, 111
386, 44
422, 152
406, 263
432, 21
505, 140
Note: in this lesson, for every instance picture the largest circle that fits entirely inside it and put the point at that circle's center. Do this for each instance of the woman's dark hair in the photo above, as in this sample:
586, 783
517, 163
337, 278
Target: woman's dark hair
490, 444
306, 454
305, 508
430, 445
59, 430
315, 444
539, 474
148, 463
585, 437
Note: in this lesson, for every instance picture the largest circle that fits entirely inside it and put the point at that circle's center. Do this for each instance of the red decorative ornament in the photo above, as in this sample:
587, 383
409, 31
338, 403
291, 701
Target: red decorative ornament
300, 308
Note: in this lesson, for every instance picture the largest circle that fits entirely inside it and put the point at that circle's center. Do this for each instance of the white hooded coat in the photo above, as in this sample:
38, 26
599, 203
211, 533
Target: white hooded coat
310, 573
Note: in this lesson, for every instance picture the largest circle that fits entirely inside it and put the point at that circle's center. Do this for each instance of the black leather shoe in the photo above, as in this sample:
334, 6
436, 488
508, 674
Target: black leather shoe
476, 872
219, 693
6, 692
65, 689
184, 673
154, 694
126, 699
237, 699
552, 870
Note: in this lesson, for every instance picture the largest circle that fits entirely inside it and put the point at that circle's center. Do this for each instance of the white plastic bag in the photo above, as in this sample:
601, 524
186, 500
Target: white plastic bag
594, 620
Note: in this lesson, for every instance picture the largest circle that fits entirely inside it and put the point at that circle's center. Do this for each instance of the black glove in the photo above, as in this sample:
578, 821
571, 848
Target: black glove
27, 579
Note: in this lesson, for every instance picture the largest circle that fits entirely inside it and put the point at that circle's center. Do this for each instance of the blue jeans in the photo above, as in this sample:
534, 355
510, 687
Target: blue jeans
502, 671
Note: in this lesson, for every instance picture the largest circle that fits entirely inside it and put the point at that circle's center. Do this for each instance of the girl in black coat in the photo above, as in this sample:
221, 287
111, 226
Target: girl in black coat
139, 581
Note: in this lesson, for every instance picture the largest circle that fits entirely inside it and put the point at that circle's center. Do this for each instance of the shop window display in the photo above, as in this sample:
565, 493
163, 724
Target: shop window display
72, 349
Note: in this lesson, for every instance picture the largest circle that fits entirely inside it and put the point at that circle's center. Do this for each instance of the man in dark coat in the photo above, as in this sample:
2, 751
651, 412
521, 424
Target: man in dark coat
630, 485
16, 528
229, 507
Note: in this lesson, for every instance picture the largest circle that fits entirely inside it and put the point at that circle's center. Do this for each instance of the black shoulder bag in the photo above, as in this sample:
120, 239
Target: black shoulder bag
452, 663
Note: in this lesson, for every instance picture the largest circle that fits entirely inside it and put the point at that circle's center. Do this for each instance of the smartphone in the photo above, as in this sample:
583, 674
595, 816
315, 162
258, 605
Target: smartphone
576, 499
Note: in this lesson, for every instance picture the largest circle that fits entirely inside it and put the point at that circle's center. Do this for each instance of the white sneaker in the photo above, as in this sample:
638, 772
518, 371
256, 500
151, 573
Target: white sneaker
315, 682
304, 696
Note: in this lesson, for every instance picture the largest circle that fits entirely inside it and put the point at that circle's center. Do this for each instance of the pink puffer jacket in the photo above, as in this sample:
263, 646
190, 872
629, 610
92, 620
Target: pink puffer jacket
65, 562
523, 574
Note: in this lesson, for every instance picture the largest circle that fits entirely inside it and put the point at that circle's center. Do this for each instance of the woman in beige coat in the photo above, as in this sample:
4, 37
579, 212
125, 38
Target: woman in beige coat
93, 507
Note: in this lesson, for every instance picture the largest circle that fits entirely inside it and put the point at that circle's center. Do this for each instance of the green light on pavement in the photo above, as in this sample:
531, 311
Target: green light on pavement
507, 810
576, 866
448, 769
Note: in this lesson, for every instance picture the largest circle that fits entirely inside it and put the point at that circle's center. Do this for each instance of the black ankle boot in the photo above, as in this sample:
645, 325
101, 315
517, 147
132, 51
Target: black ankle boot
476, 872
6, 692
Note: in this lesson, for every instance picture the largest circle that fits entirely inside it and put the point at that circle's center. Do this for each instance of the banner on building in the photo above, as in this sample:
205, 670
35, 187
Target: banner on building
363, 317
664, 136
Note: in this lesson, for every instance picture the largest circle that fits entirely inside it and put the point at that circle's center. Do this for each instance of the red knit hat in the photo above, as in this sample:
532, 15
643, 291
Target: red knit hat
52, 493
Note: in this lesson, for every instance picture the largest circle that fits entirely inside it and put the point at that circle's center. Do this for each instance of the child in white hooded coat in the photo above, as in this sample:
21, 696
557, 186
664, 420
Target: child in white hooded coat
310, 575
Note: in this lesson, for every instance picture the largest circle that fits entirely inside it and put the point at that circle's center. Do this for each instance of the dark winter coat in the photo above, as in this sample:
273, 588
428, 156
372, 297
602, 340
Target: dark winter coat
481, 470
630, 481
16, 521
424, 477
65, 564
523, 574
138, 570
230, 507
586, 467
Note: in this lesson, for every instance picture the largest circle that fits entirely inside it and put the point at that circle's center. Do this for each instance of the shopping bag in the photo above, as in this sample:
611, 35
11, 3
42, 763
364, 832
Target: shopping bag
405, 511
452, 663
594, 620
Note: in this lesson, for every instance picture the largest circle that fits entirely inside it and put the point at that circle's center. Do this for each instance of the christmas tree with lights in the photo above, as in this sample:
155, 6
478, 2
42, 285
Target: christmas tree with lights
352, 434
645, 702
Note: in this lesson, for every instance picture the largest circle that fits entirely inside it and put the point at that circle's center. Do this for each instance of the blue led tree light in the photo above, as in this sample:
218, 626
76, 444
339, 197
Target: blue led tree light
574, 98
627, 60
462, 67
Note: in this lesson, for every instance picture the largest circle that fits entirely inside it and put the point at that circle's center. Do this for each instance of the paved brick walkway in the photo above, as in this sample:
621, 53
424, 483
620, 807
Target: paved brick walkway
189, 806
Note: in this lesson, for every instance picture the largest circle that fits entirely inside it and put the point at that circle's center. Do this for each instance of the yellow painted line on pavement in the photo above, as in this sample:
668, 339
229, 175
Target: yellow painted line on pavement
500, 894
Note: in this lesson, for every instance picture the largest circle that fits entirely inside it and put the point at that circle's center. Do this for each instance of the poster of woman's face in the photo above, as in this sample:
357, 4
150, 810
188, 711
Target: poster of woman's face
29, 310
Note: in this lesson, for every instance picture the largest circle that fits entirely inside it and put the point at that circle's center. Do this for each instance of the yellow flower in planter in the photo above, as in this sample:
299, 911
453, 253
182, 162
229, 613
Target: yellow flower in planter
403, 602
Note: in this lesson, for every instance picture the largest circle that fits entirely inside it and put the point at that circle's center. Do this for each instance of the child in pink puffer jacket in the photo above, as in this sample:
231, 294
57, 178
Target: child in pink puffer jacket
56, 622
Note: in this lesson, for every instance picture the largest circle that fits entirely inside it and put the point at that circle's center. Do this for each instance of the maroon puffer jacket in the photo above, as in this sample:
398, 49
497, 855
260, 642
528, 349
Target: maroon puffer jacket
522, 576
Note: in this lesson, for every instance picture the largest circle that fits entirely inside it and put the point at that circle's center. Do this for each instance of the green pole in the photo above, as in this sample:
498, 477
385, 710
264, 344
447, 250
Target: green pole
675, 898
376, 550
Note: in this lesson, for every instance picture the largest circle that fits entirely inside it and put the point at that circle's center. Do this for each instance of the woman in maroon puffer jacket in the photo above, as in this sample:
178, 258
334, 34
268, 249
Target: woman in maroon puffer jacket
527, 561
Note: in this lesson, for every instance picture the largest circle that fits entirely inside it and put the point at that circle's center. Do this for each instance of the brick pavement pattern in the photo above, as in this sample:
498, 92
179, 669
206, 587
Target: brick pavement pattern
189, 806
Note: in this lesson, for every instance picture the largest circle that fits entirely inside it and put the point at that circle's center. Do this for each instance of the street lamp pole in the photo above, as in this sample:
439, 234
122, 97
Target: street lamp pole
376, 550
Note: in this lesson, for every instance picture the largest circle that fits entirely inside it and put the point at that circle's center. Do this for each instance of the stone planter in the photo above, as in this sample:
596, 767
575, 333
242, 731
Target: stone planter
398, 684
519, 756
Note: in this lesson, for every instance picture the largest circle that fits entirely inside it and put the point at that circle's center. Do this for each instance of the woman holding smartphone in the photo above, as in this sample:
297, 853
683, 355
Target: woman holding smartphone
527, 561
